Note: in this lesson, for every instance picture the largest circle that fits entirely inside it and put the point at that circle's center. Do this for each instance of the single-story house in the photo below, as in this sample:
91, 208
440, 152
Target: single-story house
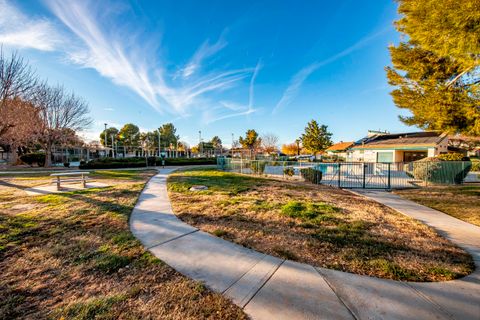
339, 149
399, 147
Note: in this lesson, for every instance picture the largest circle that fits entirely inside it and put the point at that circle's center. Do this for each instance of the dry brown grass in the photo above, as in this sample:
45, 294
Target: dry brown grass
346, 233
461, 202
72, 255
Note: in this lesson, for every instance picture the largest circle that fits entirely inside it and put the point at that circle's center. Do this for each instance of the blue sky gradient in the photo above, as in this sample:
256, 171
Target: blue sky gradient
221, 67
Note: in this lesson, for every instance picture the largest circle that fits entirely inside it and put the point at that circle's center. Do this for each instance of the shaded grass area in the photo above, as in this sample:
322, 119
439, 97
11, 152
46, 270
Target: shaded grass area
71, 255
461, 202
319, 225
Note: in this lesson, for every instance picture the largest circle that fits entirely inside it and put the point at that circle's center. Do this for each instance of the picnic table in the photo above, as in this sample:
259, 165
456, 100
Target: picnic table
67, 177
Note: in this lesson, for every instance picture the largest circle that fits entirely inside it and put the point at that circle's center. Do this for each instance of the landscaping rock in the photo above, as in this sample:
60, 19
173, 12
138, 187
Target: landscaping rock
198, 188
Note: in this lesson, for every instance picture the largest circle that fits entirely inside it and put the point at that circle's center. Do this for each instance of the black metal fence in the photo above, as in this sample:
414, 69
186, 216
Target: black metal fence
367, 175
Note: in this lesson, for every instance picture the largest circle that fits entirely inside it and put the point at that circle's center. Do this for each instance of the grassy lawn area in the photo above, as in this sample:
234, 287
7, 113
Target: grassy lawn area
319, 225
72, 256
462, 202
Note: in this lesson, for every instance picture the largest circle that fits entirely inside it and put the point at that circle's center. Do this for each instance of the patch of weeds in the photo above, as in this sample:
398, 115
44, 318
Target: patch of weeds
442, 272
109, 262
51, 199
307, 210
220, 232
285, 253
14, 229
343, 233
147, 259
393, 270
262, 205
97, 308
124, 240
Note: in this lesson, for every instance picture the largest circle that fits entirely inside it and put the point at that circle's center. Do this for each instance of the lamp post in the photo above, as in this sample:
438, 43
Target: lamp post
200, 145
105, 139
113, 151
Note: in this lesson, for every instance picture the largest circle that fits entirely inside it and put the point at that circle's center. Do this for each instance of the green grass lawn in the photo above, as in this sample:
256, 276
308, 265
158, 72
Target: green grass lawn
319, 225
71, 255
461, 202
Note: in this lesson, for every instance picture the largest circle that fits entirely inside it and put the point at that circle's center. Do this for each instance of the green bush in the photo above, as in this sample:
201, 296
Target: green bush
34, 157
138, 162
289, 171
311, 175
257, 167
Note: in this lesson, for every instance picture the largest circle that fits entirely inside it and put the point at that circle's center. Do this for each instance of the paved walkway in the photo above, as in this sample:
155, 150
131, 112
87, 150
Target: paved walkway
271, 288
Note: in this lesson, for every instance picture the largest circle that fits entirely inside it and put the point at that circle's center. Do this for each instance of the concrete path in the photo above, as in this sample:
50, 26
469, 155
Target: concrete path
270, 288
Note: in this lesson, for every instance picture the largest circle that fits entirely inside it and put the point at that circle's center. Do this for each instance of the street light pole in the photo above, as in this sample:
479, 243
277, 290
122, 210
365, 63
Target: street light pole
200, 145
105, 139
159, 143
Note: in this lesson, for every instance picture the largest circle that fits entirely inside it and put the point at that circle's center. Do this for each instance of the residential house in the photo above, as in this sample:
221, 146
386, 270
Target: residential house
398, 147
339, 149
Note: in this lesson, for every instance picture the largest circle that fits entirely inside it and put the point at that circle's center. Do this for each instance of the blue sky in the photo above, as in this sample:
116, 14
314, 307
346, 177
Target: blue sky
221, 67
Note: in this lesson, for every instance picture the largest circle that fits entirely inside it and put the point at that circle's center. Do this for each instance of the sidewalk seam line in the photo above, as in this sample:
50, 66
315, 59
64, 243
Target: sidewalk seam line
243, 274
336, 294
169, 240
268, 279
425, 297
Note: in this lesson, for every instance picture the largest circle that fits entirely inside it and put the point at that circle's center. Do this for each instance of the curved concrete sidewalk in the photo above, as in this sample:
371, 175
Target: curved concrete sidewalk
271, 288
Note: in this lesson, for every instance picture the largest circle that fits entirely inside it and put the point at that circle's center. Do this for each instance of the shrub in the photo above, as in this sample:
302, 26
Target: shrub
34, 157
311, 175
66, 164
257, 167
289, 171
138, 162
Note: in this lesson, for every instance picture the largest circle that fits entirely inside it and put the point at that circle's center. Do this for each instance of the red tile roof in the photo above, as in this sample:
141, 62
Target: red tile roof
341, 146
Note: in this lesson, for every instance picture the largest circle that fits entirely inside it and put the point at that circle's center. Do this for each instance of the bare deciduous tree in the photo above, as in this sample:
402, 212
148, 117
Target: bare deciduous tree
17, 81
62, 114
269, 142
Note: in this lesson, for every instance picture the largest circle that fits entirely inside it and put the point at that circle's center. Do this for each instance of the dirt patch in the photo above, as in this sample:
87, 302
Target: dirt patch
319, 225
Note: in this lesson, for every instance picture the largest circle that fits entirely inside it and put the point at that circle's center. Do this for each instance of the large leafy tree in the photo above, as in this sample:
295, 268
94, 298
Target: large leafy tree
109, 132
216, 142
251, 140
436, 69
168, 135
316, 138
129, 136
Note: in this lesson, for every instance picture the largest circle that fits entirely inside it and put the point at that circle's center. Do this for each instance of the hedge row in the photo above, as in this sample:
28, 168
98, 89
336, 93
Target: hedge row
137, 162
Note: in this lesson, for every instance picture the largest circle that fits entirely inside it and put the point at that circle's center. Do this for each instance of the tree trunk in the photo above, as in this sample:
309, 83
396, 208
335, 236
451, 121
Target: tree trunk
48, 155
13, 154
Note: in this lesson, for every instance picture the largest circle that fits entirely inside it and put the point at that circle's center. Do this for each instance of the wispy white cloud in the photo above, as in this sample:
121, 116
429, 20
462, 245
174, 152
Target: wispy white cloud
299, 78
205, 51
240, 110
108, 109
116, 57
19, 31
292, 90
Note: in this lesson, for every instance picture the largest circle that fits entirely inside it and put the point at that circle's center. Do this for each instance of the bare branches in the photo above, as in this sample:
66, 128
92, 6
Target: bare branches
269, 142
17, 79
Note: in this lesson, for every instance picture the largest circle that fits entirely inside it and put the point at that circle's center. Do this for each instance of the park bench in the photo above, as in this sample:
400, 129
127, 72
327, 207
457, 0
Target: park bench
68, 177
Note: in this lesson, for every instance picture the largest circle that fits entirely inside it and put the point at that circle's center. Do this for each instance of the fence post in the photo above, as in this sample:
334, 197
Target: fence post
364, 165
339, 166
389, 168
427, 176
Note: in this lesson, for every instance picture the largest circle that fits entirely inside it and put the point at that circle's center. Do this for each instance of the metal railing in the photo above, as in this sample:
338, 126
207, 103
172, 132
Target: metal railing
367, 175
